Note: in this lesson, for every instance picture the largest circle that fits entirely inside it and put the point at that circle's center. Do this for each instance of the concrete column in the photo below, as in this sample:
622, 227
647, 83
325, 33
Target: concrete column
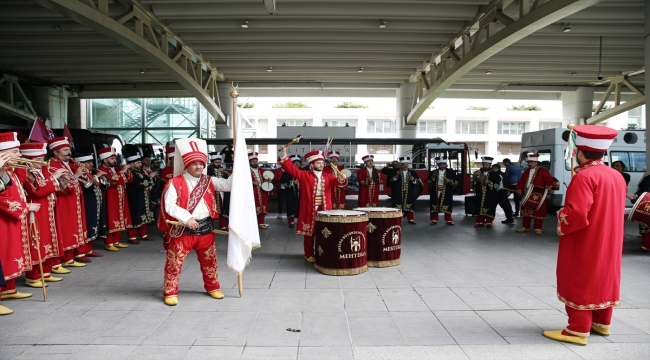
51, 103
647, 78
225, 130
576, 105
76, 113
405, 95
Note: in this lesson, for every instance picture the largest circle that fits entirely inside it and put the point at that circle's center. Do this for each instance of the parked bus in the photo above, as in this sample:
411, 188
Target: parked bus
628, 147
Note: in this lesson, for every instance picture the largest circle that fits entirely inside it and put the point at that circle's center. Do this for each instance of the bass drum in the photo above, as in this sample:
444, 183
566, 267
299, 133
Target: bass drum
268, 175
267, 186
641, 211
534, 197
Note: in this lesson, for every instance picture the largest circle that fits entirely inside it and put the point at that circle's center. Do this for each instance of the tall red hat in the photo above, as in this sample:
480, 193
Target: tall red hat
33, 150
194, 155
367, 157
58, 143
316, 155
105, 153
532, 157
332, 154
594, 138
252, 156
9, 140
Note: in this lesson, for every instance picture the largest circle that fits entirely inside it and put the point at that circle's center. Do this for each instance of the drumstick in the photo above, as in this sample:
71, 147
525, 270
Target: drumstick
178, 223
337, 170
294, 141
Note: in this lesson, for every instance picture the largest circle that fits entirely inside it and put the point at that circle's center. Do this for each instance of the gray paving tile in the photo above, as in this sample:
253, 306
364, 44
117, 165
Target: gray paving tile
363, 300
135, 323
509, 323
612, 351
373, 329
324, 329
270, 353
270, 329
402, 300
516, 352
470, 330
323, 300
214, 352
11, 351
288, 280
518, 299
155, 352
325, 353
421, 328
639, 318
103, 352
442, 299
450, 352
361, 281
480, 299
283, 300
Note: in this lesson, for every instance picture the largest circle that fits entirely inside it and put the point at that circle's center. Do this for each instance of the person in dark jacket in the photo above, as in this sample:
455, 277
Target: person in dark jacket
513, 173
502, 196
619, 166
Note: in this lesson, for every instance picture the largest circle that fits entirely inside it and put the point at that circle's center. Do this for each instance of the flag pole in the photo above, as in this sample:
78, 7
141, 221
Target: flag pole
570, 126
235, 94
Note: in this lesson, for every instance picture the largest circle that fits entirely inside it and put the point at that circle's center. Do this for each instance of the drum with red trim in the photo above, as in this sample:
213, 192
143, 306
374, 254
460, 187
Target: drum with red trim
384, 232
340, 241
641, 211
534, 197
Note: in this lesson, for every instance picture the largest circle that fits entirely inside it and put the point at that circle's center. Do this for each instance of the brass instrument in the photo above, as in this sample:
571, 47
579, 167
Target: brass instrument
24, 163
293, 141
336, 169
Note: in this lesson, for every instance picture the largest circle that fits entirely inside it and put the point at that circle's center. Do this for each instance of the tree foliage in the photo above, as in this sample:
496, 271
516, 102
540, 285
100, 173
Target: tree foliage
351, 105
479, 108
291, 105
525, 108
246, 105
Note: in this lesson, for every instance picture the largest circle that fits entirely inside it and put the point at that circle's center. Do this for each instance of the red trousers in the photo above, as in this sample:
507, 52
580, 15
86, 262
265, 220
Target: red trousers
260, 218
580, 320
10, 288
484, 219
538, 223
112, 238
434, 217
83, 250
645, 241
290, 220
410, 215
178, 249
133, 232
223, 222
308, 243
35, 273
67, 256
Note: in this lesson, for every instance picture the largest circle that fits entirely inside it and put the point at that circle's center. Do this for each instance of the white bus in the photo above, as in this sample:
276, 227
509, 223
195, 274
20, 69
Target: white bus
628, 147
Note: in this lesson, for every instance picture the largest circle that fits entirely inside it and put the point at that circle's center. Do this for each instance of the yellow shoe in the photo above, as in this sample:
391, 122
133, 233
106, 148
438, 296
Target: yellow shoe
16, 295
538, 232
73, 263
53, 279
558, 336
171, 301
5, 310
34, 284
523, 230
599, 329
60, 270
121, 246
217, 294
262, 226
111, 248
310, 259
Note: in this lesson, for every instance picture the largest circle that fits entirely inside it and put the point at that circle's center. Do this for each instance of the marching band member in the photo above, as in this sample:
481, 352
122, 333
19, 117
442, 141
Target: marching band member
315, 187
41, 188
644, 230
167, 173
137, 194
403, 183
190, 199
261, 196
591, 227
279, 188
487, 189
338, 193
14, 222
3, 309
533, 176
223, 199
69, 209
369, 181
442, 182
118, 218
93, 190
291, 192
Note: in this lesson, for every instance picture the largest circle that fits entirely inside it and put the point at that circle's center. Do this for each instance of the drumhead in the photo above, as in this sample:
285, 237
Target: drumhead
638, 216
268, 175
346, 172
267, 186
340, 213
376, 209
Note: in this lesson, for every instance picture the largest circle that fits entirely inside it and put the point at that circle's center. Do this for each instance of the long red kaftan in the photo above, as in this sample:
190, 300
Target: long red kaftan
541, 178
591, 228
368, 194
118, 217
261, 196
69, 210
308, 182
338, 193
43, 191
14, 221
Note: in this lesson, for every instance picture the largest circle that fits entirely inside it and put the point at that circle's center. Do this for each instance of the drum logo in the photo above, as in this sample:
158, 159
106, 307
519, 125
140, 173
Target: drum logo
536, 197
355, 244
647, 207
370, 228
326, 233
395, 237
357, 241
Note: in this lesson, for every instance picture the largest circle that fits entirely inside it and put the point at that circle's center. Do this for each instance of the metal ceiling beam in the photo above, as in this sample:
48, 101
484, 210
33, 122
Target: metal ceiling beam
152, 39
615, 86
14, 89
479, 40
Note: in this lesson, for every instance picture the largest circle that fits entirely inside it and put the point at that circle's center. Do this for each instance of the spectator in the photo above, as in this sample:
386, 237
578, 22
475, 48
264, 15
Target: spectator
227, 153
512, 174
619, 166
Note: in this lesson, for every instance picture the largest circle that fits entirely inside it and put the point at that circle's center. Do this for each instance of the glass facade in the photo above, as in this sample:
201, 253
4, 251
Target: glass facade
155, 120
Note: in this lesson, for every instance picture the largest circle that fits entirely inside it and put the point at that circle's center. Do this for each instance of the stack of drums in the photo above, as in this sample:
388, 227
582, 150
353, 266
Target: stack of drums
384, 232
340, 241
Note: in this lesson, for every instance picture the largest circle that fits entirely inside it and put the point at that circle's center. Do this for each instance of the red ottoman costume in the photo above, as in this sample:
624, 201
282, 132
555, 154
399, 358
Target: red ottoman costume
118, 217
261, 196
338, 193
537, 176
369, 180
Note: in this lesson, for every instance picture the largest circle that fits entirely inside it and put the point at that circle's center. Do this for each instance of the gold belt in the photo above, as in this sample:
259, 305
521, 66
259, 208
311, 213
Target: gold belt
318, 200
440, 187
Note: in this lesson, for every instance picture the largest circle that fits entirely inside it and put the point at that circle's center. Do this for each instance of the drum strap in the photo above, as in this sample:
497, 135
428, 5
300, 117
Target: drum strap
532, 182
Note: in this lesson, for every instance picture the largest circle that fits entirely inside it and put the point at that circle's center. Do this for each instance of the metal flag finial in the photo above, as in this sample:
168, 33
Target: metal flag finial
235, 87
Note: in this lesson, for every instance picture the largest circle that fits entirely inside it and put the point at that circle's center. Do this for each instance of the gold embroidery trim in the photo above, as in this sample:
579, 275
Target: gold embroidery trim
603, 305
342, 219
353, 271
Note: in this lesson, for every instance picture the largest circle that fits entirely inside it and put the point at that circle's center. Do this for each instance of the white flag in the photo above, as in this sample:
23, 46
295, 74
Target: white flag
244, 236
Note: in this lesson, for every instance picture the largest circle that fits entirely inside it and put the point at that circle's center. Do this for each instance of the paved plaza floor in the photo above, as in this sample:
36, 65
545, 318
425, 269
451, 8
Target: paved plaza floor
460, 293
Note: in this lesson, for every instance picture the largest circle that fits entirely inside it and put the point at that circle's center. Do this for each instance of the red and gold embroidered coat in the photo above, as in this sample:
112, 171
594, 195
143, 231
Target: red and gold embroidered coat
261, 196
338, 193
118, 217
14, 222
308, 182
41, 189
69, 211
542, 178
591, 228
167, 173
368, 194
182, 200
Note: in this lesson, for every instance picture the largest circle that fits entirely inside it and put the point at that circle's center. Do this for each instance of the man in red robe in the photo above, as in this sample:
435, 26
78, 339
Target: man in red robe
338, 193
369, 180
15, 255
591, 228
315, 188
533, 176
41, 185
190, 199
118, 217
167, 173
261, 196
69, 209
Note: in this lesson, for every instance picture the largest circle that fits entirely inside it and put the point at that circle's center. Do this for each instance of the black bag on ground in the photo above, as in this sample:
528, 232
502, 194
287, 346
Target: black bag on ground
471, 207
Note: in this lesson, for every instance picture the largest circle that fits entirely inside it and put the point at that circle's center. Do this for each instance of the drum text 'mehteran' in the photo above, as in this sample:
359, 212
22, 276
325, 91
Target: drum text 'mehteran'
352, 256
393, 248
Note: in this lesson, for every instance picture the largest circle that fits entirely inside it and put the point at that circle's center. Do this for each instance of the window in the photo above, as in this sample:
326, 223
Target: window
474, 146
634, 118
549, 125
340, 123
511, 128
634, 160
504, 148
381, 126
381, 149
544, 159
470, 127
261, 149
431, 127
309, 122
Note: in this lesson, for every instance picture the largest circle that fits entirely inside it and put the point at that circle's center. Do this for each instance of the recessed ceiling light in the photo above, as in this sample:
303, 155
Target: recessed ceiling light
245, 24
489, 72
574, 73
270, 69
382, 23
56, 27
567, 28
142, 71
360, 70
